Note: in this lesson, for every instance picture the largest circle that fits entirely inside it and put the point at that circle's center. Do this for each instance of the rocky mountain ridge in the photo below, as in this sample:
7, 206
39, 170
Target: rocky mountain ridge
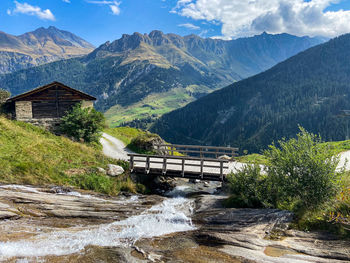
38, 47
139, 77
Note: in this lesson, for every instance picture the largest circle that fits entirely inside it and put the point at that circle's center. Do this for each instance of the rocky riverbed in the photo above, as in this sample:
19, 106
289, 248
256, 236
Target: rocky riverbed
189, 225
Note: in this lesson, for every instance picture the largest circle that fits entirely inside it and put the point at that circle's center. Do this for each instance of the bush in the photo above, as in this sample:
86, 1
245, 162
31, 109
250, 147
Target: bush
302, 172
83, 124
300, 176
246, 187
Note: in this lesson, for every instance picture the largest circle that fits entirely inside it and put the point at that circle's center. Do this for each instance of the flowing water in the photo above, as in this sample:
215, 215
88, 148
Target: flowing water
169, 216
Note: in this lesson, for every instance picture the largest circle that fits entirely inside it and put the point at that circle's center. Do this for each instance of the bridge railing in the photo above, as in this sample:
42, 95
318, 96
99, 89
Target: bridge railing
179, 164
201, 151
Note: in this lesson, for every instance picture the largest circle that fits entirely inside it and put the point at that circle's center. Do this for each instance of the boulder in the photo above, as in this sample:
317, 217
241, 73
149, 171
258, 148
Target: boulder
114, 170
146, 142
101, 170
225, 157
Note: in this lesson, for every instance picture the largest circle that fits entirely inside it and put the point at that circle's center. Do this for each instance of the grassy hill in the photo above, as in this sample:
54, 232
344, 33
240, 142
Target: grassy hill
32, 155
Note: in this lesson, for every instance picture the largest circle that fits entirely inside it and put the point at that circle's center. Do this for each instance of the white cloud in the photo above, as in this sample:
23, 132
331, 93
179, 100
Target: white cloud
248, 17
32, 11
66, 1
189, 26
113, 5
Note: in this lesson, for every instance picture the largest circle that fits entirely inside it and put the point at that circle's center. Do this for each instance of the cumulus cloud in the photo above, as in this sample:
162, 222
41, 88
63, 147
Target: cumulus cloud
189, 26
245, 18
32, 11
113, 5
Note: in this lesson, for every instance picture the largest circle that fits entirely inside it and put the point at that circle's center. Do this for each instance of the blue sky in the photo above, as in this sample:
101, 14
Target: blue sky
98, 21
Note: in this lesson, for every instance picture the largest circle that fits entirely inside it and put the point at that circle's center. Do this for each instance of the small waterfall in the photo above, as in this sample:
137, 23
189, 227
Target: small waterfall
171, 215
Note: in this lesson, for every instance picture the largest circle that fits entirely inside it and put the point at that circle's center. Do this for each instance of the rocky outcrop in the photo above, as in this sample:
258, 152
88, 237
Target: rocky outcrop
244, 236
20, 202
114, 170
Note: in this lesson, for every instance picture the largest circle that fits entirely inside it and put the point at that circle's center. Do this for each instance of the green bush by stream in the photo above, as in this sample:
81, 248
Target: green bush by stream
300, 175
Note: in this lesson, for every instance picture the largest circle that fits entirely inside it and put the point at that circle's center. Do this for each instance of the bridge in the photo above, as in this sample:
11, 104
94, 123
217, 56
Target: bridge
185, 161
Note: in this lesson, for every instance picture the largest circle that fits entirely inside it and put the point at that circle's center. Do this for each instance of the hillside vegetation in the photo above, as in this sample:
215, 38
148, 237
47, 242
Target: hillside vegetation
137, 69
309, 89
32, 155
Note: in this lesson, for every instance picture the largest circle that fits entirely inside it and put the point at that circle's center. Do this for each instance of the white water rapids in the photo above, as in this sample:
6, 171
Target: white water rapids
171, 215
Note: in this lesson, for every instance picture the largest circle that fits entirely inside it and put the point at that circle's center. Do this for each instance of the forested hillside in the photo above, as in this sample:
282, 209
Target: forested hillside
144, 76
309, 89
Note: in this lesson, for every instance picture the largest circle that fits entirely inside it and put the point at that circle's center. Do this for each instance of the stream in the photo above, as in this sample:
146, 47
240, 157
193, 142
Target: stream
188, 224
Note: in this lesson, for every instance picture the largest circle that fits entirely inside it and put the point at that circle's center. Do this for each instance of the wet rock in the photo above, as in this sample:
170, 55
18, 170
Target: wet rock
225, 157
193, 181
61, 202
114, 170
8, 215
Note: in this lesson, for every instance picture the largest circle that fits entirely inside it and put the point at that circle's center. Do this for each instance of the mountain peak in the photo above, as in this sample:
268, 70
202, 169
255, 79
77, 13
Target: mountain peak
42, 45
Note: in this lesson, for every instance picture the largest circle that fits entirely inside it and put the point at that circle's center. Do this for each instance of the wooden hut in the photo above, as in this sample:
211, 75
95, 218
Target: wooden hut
45, 105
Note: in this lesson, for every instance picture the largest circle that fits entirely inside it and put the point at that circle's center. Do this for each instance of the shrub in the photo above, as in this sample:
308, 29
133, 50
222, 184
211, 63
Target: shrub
246, 186
300, 176
301, 172
83, 124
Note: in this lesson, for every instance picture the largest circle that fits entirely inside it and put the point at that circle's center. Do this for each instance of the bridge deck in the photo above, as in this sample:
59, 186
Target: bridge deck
180, 166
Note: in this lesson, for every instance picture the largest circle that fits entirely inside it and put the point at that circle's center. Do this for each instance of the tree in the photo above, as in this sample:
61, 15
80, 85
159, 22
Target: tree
83, 124
4, 95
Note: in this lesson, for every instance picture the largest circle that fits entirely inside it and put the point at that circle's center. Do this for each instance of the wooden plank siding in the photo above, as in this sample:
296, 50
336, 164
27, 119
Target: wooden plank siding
53, 102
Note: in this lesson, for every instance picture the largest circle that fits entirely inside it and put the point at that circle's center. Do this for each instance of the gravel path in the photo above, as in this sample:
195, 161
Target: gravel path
114, 148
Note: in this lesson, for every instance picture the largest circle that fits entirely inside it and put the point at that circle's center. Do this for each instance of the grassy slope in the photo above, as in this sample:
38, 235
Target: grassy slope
153, 105
31, 155
125, 134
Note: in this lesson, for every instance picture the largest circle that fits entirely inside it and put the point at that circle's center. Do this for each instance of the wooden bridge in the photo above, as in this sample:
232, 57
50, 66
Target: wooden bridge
171, 161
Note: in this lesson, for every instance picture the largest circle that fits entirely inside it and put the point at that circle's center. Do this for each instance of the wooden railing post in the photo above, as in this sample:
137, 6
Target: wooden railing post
183, 168
147, 168
222, 170
131, 163
164, 165
202, 164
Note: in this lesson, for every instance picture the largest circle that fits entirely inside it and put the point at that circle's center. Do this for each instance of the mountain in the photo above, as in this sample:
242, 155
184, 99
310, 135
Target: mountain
310, 89
142, 76
39, 47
